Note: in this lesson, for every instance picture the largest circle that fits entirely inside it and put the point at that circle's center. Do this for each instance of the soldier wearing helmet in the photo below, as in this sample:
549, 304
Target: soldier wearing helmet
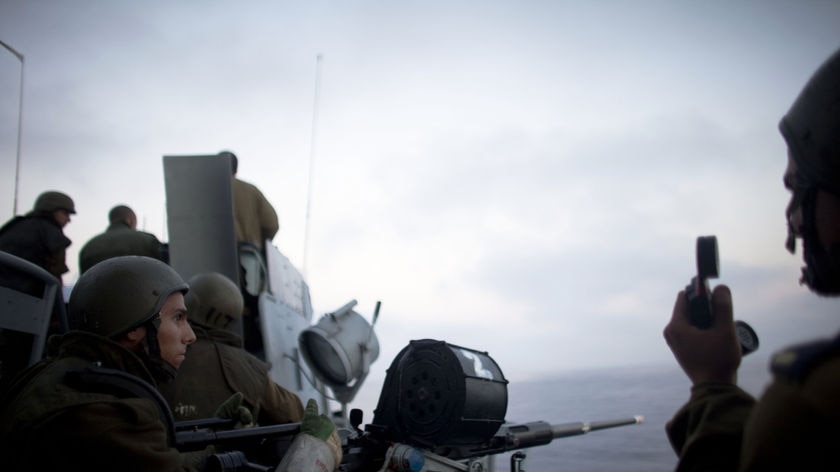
218, 367
793, 425
38, 236
92, 404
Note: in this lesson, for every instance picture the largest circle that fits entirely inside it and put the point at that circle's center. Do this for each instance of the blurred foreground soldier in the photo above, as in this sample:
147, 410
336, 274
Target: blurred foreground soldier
794, 425
121, 239
93, 405
38, 236
254, 217
218, 367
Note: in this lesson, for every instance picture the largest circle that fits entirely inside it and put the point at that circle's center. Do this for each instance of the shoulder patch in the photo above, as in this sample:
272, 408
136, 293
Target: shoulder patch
796, 362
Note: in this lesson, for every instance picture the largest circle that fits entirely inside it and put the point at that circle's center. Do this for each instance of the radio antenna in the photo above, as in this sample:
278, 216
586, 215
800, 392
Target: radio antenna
312, 155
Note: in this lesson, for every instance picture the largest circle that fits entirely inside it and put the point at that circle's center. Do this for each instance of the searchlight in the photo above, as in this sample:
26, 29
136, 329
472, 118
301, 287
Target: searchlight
340, 349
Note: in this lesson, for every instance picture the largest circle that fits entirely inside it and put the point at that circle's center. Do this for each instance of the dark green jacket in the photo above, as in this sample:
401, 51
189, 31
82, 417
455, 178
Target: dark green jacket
216, 367
37, 238
120, 240
795, 425
48, 421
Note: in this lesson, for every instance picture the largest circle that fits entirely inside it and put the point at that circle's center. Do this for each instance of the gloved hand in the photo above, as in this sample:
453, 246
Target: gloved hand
321, 427
314, 424
233, 409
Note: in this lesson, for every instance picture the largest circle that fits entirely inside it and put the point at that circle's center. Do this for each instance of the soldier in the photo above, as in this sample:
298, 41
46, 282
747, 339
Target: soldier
92, 404
38, 236
793, 426
218, 366
255, 221
254, 217
121, 239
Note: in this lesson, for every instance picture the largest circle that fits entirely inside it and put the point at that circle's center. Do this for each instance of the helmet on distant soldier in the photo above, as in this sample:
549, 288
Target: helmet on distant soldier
51, 201
214, 301
811, 129
120, 294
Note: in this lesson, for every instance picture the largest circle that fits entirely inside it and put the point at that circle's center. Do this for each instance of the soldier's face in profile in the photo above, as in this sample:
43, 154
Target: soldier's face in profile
174, 333
826, 209
62, 217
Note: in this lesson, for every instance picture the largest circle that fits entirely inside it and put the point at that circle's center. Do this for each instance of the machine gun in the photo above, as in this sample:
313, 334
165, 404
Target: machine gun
261, 448
442, 408
366, 453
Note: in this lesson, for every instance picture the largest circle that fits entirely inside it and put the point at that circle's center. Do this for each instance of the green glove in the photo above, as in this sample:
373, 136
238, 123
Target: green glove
314, 424
233, 409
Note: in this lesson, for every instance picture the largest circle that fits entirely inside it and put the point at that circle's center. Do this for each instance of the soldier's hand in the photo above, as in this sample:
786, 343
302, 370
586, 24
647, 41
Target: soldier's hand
233, 409
314, 424
705, 355
321, 427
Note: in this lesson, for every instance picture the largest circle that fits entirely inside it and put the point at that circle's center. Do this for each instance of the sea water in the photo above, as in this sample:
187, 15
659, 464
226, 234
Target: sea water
655, 392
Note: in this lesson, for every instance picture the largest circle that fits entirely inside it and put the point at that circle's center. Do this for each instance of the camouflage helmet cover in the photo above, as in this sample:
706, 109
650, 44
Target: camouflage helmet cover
121, 293
214, 301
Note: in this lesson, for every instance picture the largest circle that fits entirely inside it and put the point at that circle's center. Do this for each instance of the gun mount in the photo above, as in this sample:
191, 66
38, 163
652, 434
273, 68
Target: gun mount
441, 408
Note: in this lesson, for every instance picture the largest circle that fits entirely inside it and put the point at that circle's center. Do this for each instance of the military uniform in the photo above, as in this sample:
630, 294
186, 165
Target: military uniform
120, 240
792, 427
39, 239
255, 219
52, 418
216, 367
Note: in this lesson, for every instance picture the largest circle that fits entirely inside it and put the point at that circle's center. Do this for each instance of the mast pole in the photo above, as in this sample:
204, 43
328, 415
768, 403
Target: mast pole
312, 155
20, 123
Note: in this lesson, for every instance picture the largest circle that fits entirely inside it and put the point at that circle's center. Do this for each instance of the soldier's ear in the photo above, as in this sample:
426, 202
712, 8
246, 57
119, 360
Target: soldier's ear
133, 339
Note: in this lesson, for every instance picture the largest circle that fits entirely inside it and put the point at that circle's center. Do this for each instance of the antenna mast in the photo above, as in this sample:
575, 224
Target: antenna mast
20, 123
312, 155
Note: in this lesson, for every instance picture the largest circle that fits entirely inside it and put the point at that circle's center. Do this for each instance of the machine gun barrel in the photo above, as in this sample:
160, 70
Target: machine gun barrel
538, 433
574, 429
196, 440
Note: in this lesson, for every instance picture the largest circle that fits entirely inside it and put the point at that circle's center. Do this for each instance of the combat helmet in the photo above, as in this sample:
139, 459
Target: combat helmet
214, 301
119, 294
811, 129
52, 200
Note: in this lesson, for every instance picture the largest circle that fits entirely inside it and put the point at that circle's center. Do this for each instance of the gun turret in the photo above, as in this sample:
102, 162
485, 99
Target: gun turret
442, 408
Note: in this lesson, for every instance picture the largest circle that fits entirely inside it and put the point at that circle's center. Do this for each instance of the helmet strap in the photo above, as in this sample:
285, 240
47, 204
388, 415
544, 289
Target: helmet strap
159, 368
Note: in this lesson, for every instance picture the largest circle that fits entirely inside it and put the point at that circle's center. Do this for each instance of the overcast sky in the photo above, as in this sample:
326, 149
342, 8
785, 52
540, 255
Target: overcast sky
524, 178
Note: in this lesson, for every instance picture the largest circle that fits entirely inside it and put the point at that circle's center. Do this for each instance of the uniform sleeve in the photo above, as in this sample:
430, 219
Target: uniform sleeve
281, 406
706, 432
54, 260
124, 435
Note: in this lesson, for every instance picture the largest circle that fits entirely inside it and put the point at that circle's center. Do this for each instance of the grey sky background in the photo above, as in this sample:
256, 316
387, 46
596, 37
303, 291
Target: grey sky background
523, 178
